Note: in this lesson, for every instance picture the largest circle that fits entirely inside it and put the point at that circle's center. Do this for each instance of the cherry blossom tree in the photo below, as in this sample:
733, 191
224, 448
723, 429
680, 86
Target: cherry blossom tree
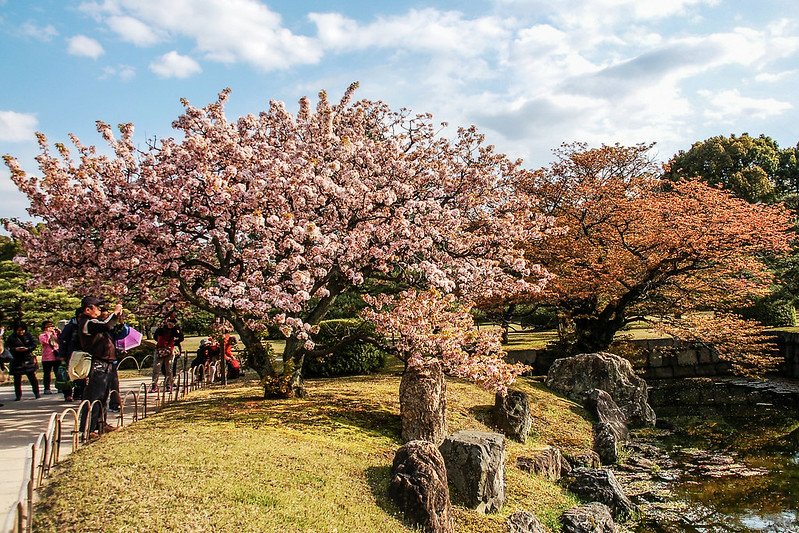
267, 219
635, 245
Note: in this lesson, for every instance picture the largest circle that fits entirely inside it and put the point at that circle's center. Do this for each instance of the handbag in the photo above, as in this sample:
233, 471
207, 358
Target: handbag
80, 363
6, 355
62, 381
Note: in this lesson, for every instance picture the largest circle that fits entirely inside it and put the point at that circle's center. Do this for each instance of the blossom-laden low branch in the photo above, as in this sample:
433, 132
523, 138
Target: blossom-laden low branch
750, 351
428, 325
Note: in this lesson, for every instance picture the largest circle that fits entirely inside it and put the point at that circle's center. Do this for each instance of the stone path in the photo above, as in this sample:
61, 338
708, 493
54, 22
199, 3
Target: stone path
21, 423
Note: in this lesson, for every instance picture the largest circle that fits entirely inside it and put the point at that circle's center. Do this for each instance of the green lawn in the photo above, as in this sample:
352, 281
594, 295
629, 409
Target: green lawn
227, 460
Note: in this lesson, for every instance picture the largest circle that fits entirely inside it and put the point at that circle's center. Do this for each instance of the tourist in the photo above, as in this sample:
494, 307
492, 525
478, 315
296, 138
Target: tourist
95, 338
117, 332
49, 341
167, 337
3, 354
233, 366
21, 345
68, 342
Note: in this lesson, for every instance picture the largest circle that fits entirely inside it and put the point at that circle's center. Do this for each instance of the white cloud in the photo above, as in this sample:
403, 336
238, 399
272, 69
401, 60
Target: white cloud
133, 30
41, 33
226, 31
727, 105
774, 77
17, 127
428, 30
174, 65
123, 72
80, 45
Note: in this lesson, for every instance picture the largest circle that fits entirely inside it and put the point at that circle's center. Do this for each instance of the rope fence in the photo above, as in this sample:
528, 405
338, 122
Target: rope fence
45, 452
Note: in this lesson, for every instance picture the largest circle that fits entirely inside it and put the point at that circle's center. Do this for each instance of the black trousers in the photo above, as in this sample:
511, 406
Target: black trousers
98, 388
116, 398
31, 378
48, 367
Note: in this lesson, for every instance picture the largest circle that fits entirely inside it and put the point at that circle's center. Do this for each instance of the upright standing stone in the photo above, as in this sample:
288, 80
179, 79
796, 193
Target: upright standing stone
512, 414
423, 403
475, 463
601, 404
606, 443
419, 487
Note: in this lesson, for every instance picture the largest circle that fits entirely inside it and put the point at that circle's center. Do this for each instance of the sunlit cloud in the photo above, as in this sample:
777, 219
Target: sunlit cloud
80, 45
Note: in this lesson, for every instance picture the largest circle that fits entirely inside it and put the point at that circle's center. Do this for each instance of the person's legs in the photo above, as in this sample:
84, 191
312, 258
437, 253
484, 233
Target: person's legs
156, 368
167, 366
34, 381
175, 358
116, 398
67, 389
97, 389
48, 367
17, 386
79, 388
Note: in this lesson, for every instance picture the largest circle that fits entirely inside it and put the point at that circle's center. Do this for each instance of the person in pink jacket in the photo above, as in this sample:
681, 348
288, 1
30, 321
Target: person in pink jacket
49, 341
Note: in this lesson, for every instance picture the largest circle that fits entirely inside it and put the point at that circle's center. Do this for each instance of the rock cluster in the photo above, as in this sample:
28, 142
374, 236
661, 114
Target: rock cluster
575, 376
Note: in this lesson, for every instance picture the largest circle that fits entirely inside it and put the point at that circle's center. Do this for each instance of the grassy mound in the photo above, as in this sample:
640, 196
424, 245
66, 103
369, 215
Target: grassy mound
226, 460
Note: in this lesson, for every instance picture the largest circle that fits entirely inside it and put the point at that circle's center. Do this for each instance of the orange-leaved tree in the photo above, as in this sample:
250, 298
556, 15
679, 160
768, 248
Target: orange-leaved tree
635, 245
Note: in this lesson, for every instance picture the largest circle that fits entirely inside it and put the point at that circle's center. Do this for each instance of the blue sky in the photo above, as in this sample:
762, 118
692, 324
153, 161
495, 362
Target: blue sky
530, 74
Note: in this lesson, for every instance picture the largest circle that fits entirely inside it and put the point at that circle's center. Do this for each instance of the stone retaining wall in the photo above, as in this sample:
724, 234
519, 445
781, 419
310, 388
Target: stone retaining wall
667, 358
656, 359
728, 396
788, 344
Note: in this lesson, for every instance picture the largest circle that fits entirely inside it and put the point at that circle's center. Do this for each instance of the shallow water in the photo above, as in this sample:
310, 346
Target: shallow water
764, 503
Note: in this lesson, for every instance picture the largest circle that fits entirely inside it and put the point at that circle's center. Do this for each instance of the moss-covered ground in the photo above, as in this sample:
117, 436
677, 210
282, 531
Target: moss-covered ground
227, 460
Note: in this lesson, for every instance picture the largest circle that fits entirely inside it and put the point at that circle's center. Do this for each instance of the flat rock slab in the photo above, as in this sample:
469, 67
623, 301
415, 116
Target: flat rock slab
590, 518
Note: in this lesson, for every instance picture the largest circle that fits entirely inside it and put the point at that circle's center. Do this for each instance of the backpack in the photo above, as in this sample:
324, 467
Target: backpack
68, 340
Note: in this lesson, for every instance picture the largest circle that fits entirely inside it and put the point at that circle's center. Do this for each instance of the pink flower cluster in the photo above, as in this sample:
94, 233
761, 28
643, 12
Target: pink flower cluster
429, 325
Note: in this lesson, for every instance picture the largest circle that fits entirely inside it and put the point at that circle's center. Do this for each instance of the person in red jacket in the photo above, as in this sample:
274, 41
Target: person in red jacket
167, 337
232, 364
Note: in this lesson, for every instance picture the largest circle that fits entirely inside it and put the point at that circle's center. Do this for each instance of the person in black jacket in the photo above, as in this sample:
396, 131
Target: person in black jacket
21, 345
95, 338
68, 342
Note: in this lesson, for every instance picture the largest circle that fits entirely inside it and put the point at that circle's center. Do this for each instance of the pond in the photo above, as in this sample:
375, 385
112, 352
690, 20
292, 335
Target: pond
731, 474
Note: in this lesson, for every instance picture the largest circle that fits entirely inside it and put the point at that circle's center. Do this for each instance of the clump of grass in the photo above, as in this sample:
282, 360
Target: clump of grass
227, 460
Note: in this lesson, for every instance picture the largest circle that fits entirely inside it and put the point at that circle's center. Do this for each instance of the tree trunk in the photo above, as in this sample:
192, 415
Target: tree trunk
256, 353
506, 316
595, 332
592, 336
295, 353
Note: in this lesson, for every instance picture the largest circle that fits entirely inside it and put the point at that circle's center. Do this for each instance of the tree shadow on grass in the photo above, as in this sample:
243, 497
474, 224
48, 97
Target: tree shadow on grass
339, 409
483, 414
379, 478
